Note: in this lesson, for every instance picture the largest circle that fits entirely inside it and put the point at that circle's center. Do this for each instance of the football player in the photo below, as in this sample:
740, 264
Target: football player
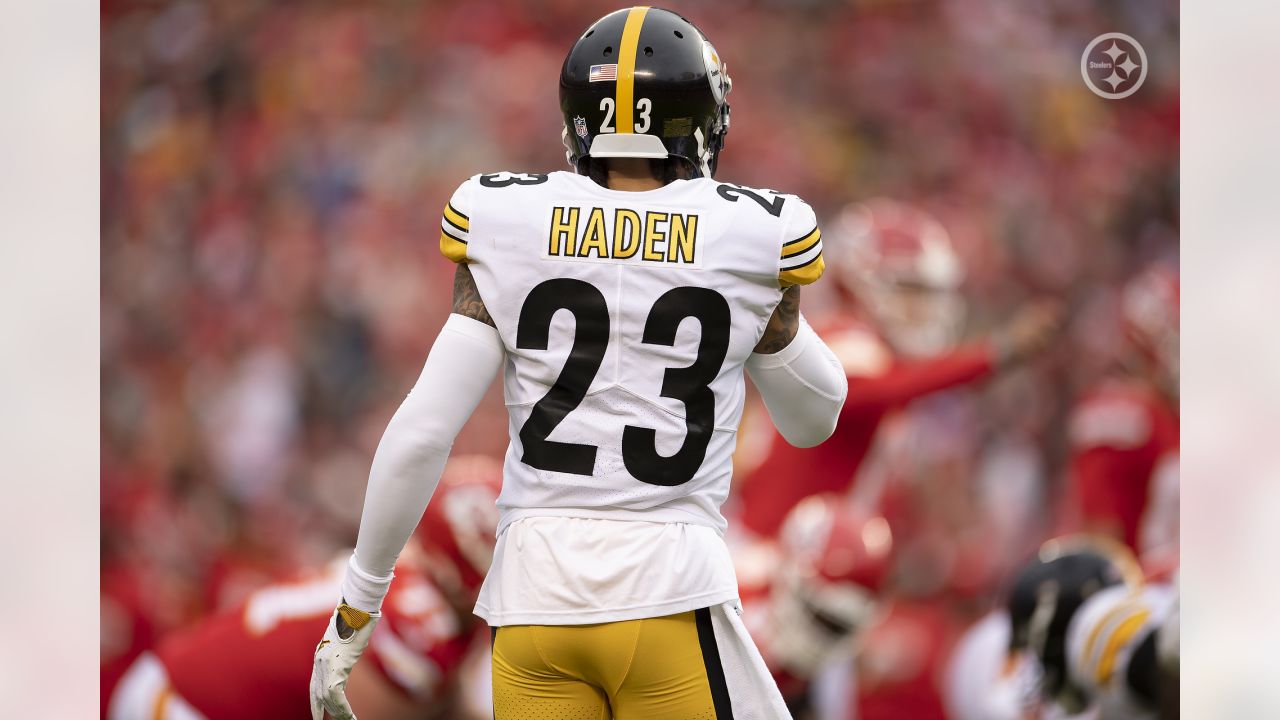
1082, 609
806, 596
899, 280
623, 302
250, 662
1124, 430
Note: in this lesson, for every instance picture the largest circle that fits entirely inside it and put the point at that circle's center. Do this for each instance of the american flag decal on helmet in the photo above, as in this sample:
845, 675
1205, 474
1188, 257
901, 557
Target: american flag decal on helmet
601, 73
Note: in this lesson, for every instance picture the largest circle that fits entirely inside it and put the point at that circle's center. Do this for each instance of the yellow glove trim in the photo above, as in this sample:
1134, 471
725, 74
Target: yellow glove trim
353, 617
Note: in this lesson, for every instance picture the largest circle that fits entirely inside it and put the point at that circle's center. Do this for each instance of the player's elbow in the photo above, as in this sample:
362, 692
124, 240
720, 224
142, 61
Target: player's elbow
816, 424
809, 435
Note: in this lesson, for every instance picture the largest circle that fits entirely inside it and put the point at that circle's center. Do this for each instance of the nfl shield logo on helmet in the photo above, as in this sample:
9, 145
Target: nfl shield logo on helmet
580, 126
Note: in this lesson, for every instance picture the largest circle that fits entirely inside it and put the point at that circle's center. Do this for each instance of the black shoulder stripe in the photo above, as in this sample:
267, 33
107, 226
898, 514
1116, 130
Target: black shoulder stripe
810, 261
801, 250
454, 224
455, 237
461, 215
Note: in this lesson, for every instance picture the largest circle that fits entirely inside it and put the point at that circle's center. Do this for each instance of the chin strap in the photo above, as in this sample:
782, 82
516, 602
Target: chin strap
718, 131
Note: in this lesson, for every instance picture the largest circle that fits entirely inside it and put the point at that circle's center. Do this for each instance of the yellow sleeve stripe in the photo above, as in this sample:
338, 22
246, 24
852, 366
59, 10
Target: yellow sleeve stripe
1123, 633
452, 248
787, 246
445, 229
804, 245
457, 219
802, 274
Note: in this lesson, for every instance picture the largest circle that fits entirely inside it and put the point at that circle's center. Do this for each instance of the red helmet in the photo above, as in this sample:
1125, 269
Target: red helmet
835, 560
456, 533
900, 264
1149, 310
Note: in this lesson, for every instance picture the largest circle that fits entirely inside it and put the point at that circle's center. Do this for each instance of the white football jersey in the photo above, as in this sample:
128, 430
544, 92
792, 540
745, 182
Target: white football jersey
627, 318
1102, 638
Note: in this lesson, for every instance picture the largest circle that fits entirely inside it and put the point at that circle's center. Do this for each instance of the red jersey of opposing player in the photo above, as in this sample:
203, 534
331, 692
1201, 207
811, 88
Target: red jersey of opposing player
903, 659
807, 594
1124, 432
254, 662
879, 383
895, 264
1124, 437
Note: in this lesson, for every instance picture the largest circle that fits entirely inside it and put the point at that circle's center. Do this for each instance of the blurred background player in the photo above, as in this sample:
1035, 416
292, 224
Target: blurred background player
251, 662
1124, 428
806, 595
1078, 638
900, 316
916, 459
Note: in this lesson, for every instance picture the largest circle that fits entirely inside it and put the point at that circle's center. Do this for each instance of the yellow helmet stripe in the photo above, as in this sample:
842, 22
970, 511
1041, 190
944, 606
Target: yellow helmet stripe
1104, 623
1120, 637
626, 86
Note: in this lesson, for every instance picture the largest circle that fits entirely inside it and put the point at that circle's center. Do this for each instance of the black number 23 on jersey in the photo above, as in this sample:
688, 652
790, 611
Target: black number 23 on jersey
690, 385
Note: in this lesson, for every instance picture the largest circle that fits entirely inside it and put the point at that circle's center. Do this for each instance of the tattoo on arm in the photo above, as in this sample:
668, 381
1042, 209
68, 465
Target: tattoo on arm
783, 325
466, 296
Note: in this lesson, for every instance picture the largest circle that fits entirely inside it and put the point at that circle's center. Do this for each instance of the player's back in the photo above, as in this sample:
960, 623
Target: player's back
627, 318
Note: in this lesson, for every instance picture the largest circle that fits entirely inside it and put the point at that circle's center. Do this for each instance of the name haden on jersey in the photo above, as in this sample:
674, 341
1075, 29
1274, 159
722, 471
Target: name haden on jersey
621, 234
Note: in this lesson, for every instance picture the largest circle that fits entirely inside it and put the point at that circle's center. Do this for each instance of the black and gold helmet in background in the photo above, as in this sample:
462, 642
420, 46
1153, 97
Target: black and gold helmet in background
1048, 592
644, 83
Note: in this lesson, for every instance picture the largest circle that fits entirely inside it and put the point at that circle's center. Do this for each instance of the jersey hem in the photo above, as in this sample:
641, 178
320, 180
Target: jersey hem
659, 515
578, 616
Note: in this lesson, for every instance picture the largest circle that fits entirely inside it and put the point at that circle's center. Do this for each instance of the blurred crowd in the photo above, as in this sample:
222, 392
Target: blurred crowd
273, 175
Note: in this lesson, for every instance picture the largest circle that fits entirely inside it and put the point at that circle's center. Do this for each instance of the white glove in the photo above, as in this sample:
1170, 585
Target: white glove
335, 656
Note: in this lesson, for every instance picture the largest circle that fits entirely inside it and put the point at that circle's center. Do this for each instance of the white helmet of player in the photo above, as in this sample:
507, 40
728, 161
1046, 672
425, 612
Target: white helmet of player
900, 264
836, 559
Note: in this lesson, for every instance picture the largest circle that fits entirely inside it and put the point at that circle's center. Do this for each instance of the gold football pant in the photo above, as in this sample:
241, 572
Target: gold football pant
665, 667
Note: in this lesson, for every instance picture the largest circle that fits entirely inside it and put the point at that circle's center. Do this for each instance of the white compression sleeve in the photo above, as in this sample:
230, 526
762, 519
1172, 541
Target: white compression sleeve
411, 455
803, 386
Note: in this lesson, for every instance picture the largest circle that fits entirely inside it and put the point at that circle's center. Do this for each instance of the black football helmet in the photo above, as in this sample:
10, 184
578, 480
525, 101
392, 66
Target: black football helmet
644, 83
1051, 588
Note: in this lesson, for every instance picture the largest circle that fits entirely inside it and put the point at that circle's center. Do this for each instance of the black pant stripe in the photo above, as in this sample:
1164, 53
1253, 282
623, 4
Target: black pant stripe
493, 640
711, 659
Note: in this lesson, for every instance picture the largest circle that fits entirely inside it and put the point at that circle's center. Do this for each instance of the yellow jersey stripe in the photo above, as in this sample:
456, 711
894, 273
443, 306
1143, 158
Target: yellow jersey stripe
456, 218
626, 84
452, 248
1119, 637
807, 235
802, 274
806, 244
